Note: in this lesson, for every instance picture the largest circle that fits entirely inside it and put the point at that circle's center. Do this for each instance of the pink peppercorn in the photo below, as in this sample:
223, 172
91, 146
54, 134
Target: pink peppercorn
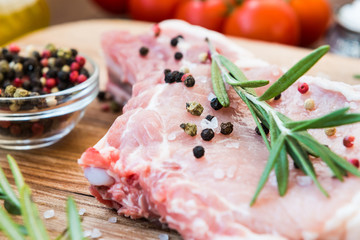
37, 128
74, 76
185, 76
348, 141
15, 129
17, 82
82, 78
355, 162
13, 48
50, 83
156, 30
74, 66
105, 107
46, 54
47, 90
80, 60
44, 62
5, 124
303, 88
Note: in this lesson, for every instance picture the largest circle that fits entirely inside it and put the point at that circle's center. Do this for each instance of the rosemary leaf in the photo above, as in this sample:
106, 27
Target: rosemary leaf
247, 102
273, 157
344, 164
9, 227
219, 85
7, 191
333, 119
357, 76
294, 73
235, 71
19, 180
282, 165
31, 217
306, 164
74, 222
323, 153
249, 84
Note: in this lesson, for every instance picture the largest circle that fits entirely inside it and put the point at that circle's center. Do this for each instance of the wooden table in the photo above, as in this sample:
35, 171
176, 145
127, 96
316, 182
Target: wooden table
53, 173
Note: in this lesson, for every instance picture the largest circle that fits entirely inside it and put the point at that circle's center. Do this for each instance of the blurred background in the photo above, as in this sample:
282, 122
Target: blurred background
306, 23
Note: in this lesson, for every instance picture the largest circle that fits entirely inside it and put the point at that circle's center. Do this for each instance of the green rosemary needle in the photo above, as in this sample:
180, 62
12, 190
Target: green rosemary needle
287, 137
33, 227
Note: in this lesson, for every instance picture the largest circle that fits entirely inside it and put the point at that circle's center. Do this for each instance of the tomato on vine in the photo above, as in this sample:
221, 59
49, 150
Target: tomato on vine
314, 17
152, 10
268, 20
206, 13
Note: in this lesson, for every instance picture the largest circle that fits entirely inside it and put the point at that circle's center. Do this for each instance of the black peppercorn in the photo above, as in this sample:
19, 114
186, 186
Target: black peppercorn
226, 128
266, 130
198, 151
189, 80
277, 97
63, 76
52, 73
178, 55
207, 134
101, 96
143, 51
174, 41
178, 76
74, 52
215, 104
167, 71
84, 72
209, 117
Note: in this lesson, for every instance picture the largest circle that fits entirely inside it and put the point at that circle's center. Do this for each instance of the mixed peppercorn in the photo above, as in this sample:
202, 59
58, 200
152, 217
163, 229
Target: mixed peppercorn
33, 74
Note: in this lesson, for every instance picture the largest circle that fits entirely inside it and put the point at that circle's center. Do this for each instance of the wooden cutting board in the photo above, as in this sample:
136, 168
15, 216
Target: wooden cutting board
53, 173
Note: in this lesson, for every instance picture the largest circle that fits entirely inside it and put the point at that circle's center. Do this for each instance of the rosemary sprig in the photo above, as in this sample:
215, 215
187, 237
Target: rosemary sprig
287, 137
33, 227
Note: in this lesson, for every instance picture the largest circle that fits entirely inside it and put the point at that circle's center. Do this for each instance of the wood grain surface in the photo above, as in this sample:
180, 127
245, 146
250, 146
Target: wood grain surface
53, 173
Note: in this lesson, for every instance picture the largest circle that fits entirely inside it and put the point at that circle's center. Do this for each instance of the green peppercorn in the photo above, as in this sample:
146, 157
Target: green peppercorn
60, 53
194, 108
189, 128
14, 107
4, 66
51, 47
226, 128
18, 67
9, 91
20, 92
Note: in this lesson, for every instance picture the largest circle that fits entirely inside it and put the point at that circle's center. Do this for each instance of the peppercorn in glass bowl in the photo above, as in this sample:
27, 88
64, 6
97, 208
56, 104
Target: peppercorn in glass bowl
39, 120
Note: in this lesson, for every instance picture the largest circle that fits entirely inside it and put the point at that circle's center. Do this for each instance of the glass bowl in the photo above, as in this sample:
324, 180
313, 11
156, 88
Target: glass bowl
39, 121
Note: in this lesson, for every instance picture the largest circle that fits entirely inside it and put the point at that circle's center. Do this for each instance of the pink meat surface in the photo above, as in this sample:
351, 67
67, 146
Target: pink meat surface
144, 165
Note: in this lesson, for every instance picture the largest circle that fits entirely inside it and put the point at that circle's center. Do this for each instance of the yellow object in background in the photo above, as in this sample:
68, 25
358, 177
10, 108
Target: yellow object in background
18, 17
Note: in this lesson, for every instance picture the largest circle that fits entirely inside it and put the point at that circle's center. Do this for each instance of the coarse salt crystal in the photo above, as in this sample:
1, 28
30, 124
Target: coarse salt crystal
82, 211
113, 219
95, 233
49, 214
87, 233
304, 180
219, 174
211, 96
163, 237
213, 124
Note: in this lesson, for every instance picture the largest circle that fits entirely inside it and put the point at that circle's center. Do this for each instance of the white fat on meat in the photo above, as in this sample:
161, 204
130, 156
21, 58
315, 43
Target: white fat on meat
98, 176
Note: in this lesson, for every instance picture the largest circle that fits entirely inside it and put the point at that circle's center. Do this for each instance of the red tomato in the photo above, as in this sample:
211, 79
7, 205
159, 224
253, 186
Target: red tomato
314, 17
152, 10
113, 6
269, 20
209, 14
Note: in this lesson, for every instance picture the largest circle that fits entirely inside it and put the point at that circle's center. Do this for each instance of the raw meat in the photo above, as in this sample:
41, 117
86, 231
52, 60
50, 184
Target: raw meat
144, 165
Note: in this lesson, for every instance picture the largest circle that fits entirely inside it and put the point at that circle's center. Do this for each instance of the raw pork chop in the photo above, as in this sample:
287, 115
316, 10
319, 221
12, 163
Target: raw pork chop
144, 166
